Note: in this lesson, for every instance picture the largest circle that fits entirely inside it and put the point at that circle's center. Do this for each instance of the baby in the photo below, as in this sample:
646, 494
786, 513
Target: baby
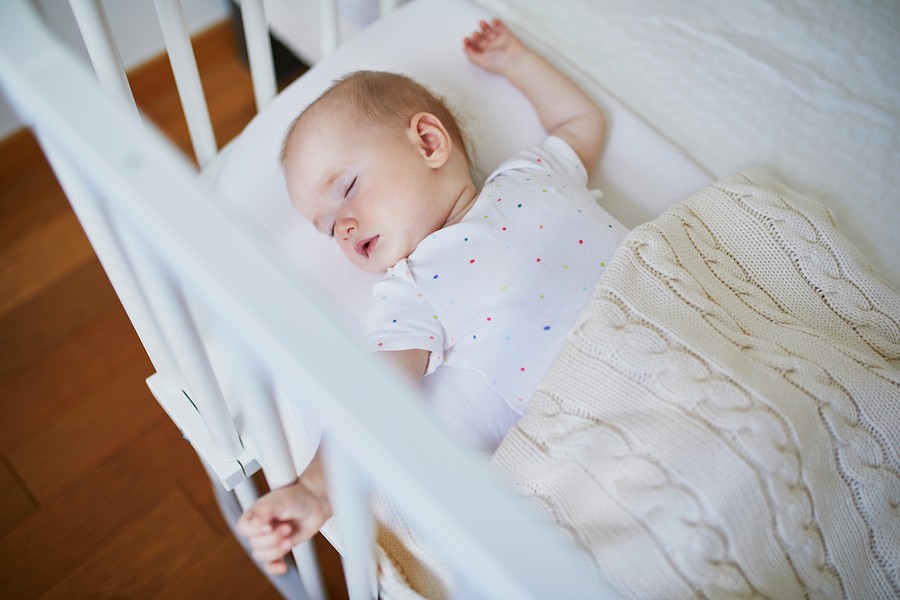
481, 283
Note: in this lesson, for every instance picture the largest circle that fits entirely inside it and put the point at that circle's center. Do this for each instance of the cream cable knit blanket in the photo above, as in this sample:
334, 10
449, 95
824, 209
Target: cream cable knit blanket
724, 420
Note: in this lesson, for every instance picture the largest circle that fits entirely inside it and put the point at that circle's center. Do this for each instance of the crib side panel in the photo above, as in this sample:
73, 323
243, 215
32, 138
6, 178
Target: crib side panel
208, 265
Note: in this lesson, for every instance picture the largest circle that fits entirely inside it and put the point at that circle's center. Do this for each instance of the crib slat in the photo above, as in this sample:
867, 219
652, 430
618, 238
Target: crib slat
491, 538
263, 424
187, 79
261, 420
102, 48
329, 35
259, 52
350, 496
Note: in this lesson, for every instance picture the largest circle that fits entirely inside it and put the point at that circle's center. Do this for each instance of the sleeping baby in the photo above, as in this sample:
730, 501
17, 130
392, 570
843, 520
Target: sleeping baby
482, 284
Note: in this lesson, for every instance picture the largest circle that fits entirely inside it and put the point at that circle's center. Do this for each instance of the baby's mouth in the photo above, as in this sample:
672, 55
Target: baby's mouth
366, 247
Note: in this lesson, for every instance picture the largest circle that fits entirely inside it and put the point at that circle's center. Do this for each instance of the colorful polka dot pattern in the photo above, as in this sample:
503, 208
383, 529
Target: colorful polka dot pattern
502, 287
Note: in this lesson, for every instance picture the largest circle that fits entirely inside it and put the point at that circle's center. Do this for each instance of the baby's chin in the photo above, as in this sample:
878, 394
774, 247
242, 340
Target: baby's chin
374, 264
381, 260
371, 267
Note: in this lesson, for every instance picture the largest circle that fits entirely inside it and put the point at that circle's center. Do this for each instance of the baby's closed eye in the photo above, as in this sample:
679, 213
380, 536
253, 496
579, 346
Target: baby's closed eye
349, 187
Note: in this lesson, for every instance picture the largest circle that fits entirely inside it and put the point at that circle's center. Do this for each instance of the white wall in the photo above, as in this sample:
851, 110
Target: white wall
134, 26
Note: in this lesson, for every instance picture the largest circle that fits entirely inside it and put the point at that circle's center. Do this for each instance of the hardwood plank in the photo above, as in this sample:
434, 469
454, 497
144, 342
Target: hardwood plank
233, 111
166, 115
30, 198
21, 154
48, 545
52, 316
71, 446
139, 561
219, 574
48, 253
15, 500
35, 396
198, 490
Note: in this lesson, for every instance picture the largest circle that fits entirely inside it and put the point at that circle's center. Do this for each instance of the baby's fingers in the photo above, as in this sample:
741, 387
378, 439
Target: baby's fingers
250, 524
267, 553
488, 37
271, 539
493, 29
474, 41
276, 567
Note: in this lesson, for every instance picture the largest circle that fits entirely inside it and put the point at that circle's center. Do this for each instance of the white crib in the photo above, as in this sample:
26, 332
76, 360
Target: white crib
190, 276
234, 317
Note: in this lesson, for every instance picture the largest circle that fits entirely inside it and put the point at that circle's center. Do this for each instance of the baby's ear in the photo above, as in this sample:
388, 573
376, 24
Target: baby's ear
431, 138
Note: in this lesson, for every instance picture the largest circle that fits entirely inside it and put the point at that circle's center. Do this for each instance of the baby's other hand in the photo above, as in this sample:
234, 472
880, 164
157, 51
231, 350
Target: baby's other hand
493, 48
279, 521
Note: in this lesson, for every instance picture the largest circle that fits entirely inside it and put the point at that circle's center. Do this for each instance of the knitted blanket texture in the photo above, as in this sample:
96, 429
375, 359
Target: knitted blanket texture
724, 420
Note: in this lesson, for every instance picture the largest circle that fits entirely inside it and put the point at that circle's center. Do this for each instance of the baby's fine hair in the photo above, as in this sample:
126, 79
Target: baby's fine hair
385, 98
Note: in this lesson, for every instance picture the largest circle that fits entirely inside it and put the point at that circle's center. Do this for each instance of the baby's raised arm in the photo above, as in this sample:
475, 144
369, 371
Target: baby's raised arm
562, 107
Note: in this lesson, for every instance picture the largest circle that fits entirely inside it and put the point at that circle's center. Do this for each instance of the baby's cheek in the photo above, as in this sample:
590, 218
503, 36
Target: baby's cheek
351, 254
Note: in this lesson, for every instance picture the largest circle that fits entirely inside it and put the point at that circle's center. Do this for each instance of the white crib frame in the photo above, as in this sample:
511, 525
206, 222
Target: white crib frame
173, 256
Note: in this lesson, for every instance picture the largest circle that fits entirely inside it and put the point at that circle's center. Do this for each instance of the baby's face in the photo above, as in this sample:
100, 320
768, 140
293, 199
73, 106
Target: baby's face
364, 184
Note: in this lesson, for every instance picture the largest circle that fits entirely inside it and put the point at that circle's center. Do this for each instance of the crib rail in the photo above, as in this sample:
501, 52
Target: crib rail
185, 269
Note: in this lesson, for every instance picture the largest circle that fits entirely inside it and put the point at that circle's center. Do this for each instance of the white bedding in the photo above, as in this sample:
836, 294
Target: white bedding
721, 422
808, 89
640, 174
723, 419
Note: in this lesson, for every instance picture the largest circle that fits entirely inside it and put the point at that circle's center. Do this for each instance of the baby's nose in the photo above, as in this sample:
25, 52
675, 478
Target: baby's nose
346, 226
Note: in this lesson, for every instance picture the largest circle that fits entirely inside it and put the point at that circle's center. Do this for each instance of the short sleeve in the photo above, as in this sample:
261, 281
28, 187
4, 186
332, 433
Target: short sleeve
403, 318
563, 158
555, 155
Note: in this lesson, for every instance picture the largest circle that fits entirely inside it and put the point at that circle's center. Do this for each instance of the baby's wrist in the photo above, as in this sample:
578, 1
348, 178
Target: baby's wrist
517, 67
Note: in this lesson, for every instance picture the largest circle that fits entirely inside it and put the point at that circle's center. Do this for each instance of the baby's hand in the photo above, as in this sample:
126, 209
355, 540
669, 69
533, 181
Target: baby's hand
494, 48
279, 521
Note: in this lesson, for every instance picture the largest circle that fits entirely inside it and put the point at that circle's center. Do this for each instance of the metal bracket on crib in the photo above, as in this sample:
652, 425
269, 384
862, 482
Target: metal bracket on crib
229, 471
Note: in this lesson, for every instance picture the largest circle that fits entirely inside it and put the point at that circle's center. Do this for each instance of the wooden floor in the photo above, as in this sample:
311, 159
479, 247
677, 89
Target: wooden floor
99, 495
